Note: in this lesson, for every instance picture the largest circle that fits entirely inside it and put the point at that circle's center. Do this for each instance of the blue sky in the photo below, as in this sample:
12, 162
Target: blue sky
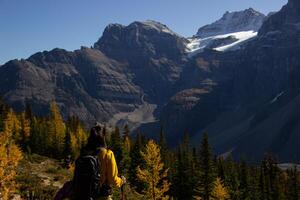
28, 26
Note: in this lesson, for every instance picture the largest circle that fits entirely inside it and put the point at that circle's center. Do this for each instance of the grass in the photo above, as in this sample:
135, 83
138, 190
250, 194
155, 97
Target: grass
40, 177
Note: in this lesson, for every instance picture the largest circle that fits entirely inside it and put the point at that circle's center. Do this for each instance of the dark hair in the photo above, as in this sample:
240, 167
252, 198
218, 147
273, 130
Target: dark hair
96, 138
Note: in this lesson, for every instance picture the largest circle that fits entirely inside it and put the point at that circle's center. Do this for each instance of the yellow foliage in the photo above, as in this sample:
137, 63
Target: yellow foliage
12, 125
25, 127
56, 128
127, 144
10, 155
153, 175
219, 192
81, 137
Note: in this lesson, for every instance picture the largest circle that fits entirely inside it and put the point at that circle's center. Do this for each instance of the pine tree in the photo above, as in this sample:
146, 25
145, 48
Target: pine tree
244, 186
153, 174
116, 145
25, 131
68, 144
221, 169
126, 138
253, 172
3, 112
136, 160
264, 187
125, 162
184, 178
207, 169
231, 179
293, 184
28, 111
163, 145
269, 179
219, 191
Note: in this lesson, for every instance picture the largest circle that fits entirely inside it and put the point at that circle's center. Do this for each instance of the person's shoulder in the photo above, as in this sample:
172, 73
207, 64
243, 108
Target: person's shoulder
109, 152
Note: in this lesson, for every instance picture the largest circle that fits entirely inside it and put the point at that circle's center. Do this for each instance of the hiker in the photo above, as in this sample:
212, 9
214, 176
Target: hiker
95, 170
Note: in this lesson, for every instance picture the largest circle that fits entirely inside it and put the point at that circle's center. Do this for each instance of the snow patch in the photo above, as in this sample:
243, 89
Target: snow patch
241, 37
276, 98
197, 44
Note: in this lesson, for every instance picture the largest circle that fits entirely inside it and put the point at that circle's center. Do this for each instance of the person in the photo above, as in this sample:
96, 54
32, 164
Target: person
108, 171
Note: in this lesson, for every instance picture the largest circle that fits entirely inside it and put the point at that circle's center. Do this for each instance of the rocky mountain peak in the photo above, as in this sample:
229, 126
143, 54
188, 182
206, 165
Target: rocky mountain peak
230, 22
153, 26
140, 39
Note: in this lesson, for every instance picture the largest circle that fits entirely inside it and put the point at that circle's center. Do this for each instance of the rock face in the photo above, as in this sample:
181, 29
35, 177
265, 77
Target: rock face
248, 99
247, 20
84, 83
153, 51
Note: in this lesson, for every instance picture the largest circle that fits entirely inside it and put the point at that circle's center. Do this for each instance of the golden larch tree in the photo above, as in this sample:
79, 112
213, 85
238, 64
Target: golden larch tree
153, 174
10, 155
12, 125
57, 130
219, 192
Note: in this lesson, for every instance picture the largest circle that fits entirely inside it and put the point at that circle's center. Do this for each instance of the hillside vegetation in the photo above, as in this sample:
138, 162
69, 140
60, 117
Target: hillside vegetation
37, 158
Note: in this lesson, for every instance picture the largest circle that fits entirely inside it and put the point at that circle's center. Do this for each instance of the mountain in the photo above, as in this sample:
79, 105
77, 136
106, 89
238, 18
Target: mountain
84, 82
154, 53
252, 105
130, 70
227, 33
236, 79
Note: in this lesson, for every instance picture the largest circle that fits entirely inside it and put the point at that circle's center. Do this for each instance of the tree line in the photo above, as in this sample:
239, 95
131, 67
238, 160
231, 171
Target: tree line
154, 171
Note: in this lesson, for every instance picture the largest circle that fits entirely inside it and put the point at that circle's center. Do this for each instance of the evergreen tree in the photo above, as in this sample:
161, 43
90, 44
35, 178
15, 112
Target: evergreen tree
136, 160
68, 144
183, 181
163, 146
116, 145
253, 172
28, 111
221, 169
231, 179
126, 138
153, 174
3, 112
244, 186
25, 131
125, 162
293, 184
269, 179
207, 171
262, 184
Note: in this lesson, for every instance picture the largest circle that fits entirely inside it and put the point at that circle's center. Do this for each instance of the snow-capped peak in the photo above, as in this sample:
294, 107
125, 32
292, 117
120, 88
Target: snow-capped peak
247, 20
227, 33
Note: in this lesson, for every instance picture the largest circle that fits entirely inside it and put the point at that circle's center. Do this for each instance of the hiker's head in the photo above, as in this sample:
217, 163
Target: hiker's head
97, 137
